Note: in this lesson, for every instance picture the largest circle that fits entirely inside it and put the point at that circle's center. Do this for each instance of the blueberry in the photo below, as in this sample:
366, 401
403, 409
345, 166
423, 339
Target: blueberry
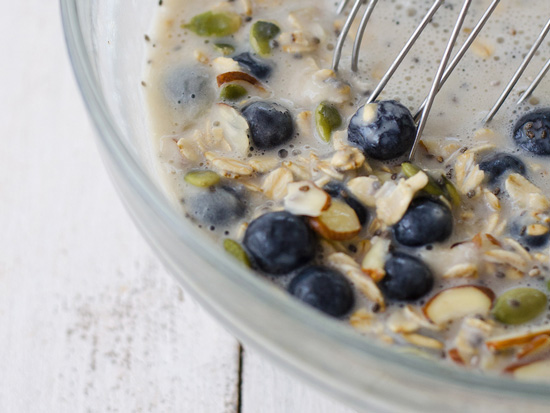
383, 130
532, 132
217, 205
324, 289
254, 65
426, 221
499, 164
519, 231
189, 89
407, 278
279, 242
337, 190
270, 124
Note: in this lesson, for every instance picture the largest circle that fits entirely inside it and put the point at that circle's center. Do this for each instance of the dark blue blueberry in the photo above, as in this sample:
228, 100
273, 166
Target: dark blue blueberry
280, 242
270, 124
532, 132
337, 190
189, 89
407, 278
389, 135
254, 65
324, 289
426, 221
499, 164
218, 205
519, 231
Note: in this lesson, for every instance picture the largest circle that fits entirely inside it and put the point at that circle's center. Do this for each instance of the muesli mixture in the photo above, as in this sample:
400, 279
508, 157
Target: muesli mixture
278, 157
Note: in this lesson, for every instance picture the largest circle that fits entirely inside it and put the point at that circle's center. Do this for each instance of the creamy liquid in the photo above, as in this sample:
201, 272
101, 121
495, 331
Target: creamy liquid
456, 115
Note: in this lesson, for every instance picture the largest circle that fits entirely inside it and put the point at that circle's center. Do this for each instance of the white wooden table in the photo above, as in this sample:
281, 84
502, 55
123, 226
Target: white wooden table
89, 319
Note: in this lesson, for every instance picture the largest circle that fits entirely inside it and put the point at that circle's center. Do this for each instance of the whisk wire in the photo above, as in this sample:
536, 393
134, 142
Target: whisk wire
344, 34
360, 34
535, 82
445, 68
439, 75
462, 51
519, 72
403, 53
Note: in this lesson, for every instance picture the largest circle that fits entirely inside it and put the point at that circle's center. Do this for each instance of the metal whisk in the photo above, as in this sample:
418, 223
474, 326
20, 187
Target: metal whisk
519, 72
445, 68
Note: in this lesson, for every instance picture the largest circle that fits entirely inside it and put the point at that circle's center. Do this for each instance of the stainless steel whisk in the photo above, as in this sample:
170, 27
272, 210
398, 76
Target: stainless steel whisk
445, 68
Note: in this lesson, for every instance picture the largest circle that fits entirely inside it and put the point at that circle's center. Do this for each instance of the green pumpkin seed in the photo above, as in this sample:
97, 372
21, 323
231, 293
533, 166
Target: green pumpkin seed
202, 179
451, 191
224, 48
261, 35
327, 119
519, 305
235, 249
432, 187
233, 92
214, 24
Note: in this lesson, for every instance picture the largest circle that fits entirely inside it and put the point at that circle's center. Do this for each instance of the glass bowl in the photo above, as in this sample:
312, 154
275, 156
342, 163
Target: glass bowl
106, 43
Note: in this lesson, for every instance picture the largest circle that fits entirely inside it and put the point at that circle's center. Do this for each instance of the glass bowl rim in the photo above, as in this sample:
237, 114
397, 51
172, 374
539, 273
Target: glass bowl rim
109, 138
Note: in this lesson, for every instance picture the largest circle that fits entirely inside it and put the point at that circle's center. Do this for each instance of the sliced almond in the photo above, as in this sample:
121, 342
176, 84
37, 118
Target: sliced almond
539, 344
339, 222
455, 356
537, 370
516, 339
225, 64
458, 302
305, 198
374, 262
238, 76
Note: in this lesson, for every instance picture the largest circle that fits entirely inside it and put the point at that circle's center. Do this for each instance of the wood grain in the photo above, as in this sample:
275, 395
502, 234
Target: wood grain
89, 320
268, 389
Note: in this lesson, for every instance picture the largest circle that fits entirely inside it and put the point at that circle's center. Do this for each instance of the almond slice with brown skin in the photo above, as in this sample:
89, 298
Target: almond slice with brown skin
455, 356
375, 260
305, 198
538, 370
238, 76
538, 345
339, 222
458, 302
516, 339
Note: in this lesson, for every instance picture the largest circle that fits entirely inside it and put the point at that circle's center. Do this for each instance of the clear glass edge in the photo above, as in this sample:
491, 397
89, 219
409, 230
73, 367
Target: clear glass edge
332, 330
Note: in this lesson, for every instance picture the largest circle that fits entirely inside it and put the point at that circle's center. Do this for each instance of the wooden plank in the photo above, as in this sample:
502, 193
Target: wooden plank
89, 320
268, 389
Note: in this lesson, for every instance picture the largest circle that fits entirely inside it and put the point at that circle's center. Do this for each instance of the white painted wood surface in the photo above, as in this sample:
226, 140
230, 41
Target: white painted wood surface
89, 320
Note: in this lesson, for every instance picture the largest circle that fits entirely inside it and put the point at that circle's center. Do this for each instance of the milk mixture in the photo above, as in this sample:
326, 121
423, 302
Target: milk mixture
278, 158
